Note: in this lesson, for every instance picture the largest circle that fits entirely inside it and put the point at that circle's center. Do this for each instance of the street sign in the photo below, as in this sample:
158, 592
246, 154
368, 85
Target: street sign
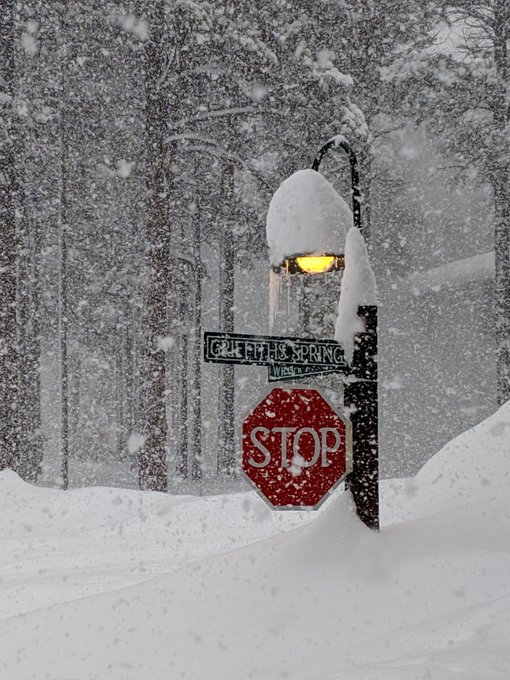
278, 373
262, 350
296, 448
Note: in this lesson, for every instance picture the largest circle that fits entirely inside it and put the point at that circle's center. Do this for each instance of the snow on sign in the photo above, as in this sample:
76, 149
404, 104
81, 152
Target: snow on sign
296, 448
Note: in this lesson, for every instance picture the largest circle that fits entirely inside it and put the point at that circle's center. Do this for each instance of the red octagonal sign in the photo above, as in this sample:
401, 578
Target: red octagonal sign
295, 448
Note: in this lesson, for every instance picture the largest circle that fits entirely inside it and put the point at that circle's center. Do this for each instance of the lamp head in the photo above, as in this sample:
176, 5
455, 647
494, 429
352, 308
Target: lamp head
312, 264
307, 219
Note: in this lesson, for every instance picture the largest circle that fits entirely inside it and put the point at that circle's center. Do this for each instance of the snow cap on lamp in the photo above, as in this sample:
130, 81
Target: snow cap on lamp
306, 216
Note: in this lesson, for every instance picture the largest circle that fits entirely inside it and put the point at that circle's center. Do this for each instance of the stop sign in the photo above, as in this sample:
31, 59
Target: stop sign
295, 448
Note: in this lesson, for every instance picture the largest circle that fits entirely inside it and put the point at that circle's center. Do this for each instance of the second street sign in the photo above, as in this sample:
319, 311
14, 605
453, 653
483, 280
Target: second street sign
277, 373
266, 350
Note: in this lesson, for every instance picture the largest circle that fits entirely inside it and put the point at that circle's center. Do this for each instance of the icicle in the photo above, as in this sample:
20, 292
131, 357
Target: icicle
274, 293
287, 280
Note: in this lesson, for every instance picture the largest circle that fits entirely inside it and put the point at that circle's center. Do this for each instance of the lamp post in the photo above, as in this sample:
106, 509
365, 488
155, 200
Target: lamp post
310, 258
361, 395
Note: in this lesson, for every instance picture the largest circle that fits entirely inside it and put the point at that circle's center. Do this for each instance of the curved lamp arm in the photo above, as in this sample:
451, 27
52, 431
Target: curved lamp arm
333, 143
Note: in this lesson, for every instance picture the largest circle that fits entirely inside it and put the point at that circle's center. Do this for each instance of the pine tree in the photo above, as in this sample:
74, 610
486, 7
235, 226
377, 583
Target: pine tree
374, 38
153, 459
9, 196
467, 93
248, 98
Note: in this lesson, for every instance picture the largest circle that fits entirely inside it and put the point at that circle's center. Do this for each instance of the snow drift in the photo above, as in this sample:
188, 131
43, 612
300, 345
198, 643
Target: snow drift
429, 597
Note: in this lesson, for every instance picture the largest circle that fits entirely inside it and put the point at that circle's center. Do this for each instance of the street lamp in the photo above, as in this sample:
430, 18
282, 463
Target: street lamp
307, 222
361, 394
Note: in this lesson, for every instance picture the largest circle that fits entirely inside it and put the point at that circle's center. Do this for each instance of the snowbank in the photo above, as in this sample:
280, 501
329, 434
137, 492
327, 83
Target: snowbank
429, 597
57, 546
472, 469
454, 274
306, 215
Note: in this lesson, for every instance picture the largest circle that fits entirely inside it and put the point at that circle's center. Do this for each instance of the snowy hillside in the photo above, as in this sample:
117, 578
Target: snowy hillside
103, 583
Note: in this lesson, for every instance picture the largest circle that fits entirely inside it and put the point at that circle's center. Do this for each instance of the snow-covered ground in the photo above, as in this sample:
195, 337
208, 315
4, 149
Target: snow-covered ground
123, 585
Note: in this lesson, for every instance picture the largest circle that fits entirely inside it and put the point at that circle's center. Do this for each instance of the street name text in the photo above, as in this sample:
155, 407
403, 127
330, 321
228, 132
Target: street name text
233, 348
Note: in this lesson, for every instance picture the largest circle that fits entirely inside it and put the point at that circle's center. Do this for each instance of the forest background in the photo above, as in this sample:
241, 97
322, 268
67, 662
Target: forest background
140, 145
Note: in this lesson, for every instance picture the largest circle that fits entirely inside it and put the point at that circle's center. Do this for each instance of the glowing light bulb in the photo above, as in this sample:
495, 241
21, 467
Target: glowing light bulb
315, 264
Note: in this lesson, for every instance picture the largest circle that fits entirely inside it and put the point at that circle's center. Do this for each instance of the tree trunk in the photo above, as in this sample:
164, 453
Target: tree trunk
366, 193
28, 322
196, 385
226, 434
130, 381
502, 282
501, 186
74, 401
63, 311
130, 368
9, 430
183, 462
305, 306
153, 456
120, 389
63, 334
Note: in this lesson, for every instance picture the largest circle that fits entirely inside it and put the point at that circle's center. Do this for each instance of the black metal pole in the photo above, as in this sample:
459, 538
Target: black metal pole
333, 143
361, 395
361, 402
